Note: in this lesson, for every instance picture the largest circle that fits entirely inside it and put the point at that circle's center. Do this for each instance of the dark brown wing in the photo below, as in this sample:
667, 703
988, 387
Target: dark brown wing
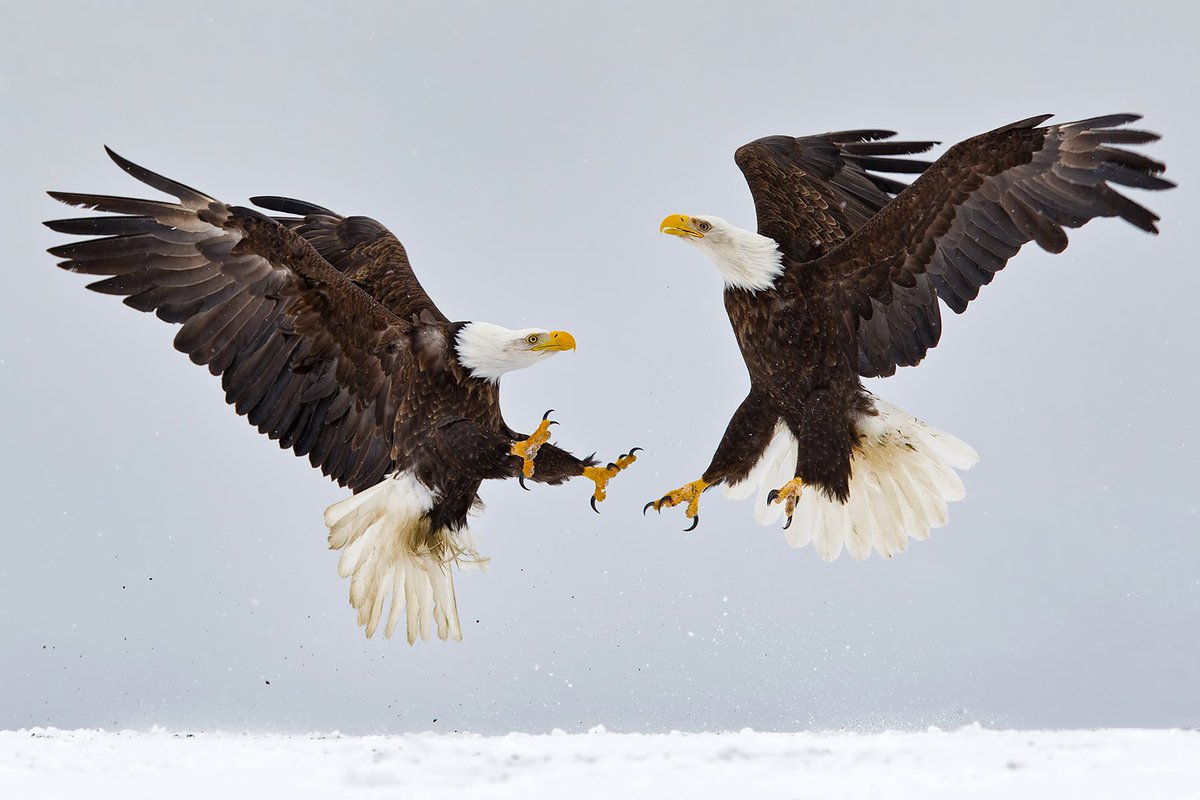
307, 357
363, 250
960, 222
811, 192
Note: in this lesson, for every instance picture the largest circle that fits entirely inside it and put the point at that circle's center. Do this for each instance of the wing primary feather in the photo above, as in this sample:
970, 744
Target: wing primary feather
1029, 122
165, 213
186, 194
888, 148
1105, 121
289, 205
104, 226
888, 164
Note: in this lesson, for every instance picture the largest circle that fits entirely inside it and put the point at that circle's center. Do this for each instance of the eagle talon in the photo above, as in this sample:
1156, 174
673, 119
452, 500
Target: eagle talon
527, 449
692, 527
688, 493
602, 475
789, 495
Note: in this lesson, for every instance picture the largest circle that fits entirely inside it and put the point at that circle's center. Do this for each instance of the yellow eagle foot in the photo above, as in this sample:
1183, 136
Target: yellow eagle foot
527, 449
688, 493
602, 475
789, 494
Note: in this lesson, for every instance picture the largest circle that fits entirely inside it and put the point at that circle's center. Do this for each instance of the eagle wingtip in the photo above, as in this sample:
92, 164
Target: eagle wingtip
290, 205
118, 159
1105, 121
1025, 124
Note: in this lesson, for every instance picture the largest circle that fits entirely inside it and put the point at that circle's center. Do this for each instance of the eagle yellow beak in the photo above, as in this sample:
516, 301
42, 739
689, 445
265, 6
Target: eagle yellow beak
556, 340
679, 225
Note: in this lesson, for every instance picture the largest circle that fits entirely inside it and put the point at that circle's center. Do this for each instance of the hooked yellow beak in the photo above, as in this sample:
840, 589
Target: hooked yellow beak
556, 340
679, 225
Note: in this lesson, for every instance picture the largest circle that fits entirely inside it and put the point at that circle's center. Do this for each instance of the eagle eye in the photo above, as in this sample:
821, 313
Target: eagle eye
532, 338
703, 226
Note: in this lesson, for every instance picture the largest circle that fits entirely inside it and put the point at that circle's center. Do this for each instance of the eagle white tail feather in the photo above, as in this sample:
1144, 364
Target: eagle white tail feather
903, 475
385, 539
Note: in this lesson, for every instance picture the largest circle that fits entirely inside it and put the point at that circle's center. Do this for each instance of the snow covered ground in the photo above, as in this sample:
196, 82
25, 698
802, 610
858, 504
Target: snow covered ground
971, 762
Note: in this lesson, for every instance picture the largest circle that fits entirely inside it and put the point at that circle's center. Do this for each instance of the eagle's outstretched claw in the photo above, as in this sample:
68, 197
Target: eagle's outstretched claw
527, 449
789, 494
688, 493
602, 475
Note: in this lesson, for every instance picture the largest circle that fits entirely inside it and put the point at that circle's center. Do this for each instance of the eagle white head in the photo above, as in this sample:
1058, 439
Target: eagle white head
489, 351
747, 260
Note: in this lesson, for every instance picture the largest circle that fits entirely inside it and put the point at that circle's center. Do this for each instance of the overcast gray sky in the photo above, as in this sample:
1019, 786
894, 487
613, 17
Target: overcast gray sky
165, 564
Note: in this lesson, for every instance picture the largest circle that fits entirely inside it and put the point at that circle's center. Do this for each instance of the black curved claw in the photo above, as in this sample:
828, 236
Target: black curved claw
695, 522
647, 507
613, 466
547, 414
771, 495
634, 450
593, 502
521, 480
788, 524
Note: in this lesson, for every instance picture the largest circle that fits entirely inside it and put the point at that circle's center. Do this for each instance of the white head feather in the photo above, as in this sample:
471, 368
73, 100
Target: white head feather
489, 351
747, 260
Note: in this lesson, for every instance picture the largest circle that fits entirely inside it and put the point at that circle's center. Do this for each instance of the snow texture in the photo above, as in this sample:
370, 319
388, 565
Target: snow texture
971, 762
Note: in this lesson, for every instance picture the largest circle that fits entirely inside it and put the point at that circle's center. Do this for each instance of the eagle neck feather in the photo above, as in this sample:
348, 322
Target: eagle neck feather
747, 260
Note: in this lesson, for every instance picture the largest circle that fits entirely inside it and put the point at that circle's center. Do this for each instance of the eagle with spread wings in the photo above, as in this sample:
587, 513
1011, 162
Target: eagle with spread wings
844, 279
325, 340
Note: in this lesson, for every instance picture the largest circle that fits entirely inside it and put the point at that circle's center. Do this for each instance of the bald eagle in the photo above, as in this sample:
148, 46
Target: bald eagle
325, 341
842, 280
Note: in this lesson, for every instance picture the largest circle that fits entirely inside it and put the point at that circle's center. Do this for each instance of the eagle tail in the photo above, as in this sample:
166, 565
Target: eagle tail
903, 475
389, 547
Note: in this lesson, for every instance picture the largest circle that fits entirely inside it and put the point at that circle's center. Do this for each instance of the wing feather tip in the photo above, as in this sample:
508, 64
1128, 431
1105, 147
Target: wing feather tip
1103, 121
69, 198
1028, 122
123, 162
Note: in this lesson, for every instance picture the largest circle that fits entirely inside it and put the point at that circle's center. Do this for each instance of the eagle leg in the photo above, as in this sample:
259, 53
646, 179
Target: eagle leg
688, 493
789, 494
527, 449
602, 475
